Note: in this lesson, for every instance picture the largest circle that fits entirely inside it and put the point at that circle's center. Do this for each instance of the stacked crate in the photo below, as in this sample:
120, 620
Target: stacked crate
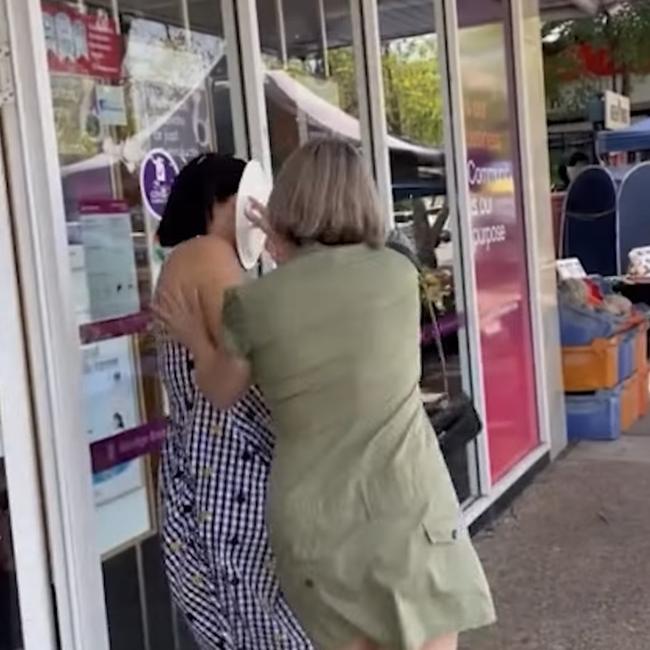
605, 369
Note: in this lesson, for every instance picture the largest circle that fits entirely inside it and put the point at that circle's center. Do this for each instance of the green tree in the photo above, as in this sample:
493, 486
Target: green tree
623, 32
411, 85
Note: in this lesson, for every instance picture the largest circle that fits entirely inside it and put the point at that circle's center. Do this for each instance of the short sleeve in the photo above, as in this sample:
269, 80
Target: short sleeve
234, 333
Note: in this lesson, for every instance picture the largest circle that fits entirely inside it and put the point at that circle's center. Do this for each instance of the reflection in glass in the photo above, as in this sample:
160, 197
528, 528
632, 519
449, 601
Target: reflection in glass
139, 87
499, 232
310, 81
415, 119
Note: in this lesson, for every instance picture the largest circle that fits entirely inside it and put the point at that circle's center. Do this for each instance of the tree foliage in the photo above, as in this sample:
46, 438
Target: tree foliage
413, 91
623, 33
411, 85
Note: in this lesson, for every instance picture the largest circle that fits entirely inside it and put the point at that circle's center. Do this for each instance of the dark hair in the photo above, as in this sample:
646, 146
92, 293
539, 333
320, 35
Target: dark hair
577, 158
207, 179
563, 173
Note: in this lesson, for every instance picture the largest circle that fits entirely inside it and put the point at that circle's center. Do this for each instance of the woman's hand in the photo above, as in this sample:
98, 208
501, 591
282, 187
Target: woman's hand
258, 215
182, 317
276, 245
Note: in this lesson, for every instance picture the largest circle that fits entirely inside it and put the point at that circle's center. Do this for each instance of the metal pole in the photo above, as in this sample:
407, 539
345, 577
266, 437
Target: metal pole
186, 22
282, 32
323, 37
116, 15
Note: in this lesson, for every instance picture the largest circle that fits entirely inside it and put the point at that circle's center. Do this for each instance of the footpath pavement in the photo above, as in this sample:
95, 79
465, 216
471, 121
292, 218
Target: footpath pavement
569, 563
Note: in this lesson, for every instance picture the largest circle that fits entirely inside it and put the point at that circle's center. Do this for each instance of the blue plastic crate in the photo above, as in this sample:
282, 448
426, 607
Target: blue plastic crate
582, 326
596, 416
626, 355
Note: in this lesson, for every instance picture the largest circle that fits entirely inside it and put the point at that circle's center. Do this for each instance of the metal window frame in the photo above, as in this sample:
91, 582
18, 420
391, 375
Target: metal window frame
455, 148
19, 442
41, 244
535, 172
370, 88
253, 86
235, 77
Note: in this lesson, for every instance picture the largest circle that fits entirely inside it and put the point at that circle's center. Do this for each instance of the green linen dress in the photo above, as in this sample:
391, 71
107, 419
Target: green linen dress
364, 522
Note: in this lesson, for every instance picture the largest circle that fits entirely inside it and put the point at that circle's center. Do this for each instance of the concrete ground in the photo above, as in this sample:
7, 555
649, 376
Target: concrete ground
569, 564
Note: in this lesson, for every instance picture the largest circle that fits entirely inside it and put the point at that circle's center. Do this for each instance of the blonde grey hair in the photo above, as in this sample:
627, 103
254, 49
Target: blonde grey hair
324, 194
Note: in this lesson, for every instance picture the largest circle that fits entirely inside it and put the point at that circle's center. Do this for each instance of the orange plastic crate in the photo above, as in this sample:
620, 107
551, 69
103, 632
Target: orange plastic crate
591, 367
641, 347
630, 403
644, 393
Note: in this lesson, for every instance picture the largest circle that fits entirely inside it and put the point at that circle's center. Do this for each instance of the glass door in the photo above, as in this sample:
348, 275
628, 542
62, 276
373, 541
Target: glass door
493, 177
26, 598
138, 88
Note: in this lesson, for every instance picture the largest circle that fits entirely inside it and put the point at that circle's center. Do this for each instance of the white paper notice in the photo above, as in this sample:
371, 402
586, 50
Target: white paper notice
110, 388
111, 406
111, 273
111, 105
570, 269
81, 294
640, 262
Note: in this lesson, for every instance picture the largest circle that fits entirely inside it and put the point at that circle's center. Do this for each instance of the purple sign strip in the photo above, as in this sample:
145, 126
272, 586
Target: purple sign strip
108, 207
109, 329
127, 446
448, 325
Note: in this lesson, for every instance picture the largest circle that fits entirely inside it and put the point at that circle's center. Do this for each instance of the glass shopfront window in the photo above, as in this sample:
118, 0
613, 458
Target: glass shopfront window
139, 87
10, 633
413, 87
496, 213
310, 81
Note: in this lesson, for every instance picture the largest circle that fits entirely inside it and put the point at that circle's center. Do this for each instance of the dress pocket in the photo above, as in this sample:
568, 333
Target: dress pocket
443, 527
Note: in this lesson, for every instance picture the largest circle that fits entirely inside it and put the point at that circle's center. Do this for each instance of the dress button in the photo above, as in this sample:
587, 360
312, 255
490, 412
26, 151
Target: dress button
233, 541
309, 583
247, 456
241, 498
216, 430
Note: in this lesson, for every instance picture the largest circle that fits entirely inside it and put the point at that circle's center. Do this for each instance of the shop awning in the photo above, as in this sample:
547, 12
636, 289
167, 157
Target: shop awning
291, 95
634, 138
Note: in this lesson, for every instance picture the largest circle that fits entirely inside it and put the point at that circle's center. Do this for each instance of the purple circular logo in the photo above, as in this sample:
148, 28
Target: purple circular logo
157, 174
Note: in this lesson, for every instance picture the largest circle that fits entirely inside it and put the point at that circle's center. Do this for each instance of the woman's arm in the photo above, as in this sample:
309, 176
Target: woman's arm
221, 376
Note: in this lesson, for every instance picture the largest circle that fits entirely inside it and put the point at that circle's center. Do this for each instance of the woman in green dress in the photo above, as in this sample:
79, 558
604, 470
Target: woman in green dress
370, 546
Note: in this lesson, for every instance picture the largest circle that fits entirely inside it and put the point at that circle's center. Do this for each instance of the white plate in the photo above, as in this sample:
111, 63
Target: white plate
255, 184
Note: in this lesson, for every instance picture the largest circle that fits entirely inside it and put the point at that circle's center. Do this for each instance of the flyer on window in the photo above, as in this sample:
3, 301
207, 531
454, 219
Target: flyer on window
111, 406
107, 237
110, 388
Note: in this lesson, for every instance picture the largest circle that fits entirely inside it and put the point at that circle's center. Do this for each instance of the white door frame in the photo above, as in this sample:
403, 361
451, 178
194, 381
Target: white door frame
19, 440
53, 341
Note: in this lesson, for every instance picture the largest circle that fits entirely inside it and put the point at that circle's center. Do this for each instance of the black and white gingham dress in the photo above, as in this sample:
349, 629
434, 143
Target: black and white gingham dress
214, 472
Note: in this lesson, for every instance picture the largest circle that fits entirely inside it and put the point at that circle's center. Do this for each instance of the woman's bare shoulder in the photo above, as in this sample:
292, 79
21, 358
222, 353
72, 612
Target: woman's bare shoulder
202, 253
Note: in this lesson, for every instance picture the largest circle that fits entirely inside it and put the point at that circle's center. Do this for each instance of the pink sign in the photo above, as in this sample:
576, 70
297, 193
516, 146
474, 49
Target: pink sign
499, 245
124, 447
82, 43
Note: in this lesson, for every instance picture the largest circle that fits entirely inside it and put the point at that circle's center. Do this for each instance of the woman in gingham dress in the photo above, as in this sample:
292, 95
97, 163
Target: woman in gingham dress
215, 463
